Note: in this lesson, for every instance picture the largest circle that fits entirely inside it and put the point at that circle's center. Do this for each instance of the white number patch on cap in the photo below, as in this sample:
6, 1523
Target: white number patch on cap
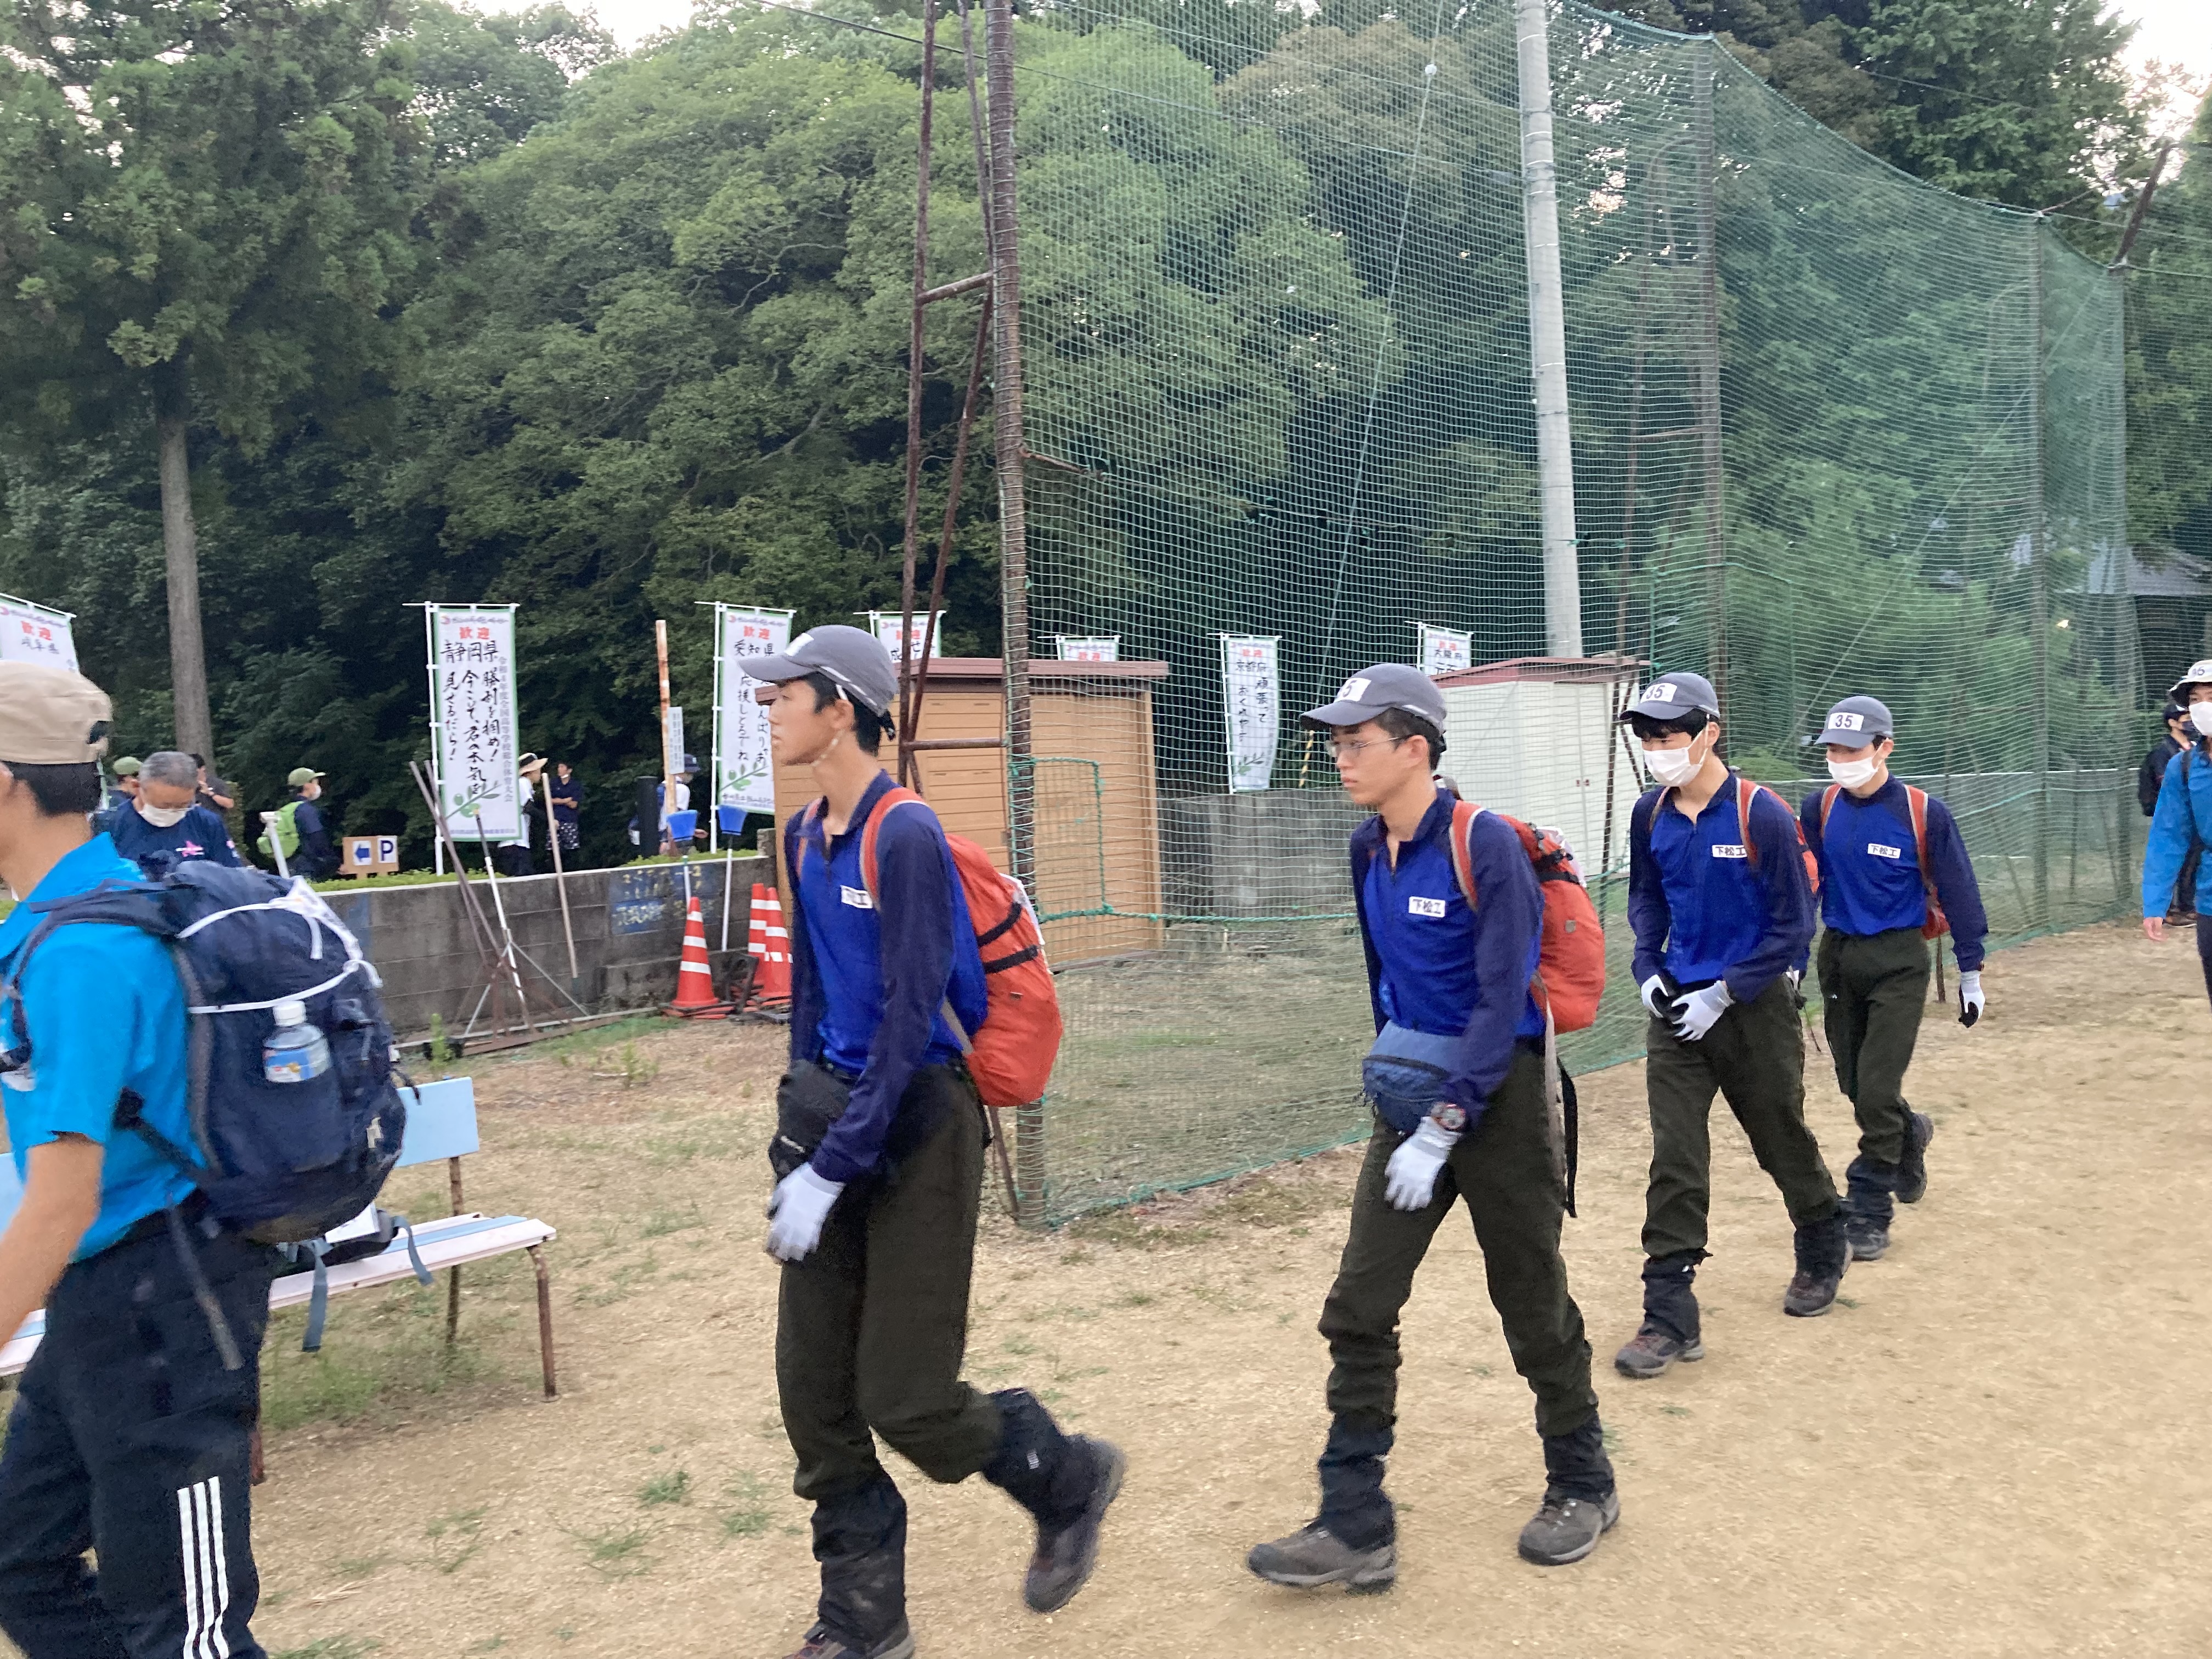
1425, 907
1881, 851
1659, 693
1723, 850
1844, 721
800, 643
858, 897
1353, 690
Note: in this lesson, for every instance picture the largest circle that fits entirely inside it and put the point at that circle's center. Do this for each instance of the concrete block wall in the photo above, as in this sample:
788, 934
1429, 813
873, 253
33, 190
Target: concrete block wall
628, 928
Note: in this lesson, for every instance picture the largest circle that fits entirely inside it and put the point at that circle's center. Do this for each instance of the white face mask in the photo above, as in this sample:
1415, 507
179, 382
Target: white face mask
161, 818
1674, 767
2200, 716
1853, 775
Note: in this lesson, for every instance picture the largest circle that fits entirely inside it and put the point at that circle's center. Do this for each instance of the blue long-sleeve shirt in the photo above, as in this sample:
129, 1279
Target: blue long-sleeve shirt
1703, 908
1870, 868
2182, 820
1433, 964
870, 973
198, 834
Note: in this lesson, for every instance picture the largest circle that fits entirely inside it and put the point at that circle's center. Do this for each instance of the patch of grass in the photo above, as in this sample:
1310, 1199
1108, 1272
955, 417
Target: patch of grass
332, 1647
673, 1487
489, 1645
1675, 1411
617, 1551
360, 1566
455, 1538
661, 1223
624, 1066
585, 1045
1136, 1299
748, 1515
1132, 1232
381, 1348
626, 1282
1273, 1204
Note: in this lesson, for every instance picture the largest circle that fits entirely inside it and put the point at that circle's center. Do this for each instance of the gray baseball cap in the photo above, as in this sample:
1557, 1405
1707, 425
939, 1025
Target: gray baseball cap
1672, 695
1856, 722
854, 658
1371, 690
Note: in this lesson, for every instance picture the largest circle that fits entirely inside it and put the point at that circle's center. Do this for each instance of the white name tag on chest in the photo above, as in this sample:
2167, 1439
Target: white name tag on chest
1425, 907
1723, 850
858, 897
1881, 851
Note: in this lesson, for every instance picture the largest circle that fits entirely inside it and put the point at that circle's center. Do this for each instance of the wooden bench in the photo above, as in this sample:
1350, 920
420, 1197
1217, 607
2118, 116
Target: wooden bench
441, 1123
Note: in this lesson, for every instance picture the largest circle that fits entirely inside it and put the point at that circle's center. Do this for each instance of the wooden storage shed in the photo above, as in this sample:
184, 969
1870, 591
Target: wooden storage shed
1097, 828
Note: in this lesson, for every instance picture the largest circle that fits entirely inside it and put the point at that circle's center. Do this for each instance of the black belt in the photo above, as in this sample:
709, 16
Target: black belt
194, 1205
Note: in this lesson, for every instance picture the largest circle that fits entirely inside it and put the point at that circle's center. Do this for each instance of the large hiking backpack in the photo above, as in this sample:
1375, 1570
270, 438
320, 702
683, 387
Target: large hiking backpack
286, 828
281, 1163
1011, 1054
1571, 959
1916, 801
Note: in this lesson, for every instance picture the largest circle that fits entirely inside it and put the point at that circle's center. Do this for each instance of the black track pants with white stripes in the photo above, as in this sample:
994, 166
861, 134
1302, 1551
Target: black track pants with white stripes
130, 1439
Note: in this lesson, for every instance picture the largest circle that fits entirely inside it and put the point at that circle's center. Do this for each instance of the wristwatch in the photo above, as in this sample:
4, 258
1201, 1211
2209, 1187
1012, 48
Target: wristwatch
1450, 1118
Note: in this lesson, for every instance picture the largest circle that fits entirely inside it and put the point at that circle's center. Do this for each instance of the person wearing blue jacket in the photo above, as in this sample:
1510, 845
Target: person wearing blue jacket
165, 826
1722, 906
1462, 1110
1875, 900
2181, 825
879, 1152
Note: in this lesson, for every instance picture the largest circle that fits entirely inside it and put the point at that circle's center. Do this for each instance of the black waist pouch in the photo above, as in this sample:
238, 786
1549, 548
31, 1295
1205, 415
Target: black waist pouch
811, 1097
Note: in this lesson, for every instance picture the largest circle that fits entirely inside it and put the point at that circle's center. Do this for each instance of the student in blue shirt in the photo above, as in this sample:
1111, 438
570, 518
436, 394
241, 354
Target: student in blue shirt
879, 1146
2181, 824
1874, 955
1463, 1111
129, 1437
1723, 913
165, 826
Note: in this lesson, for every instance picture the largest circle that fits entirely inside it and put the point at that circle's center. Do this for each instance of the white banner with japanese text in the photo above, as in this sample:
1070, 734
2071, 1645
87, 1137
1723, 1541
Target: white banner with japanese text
472, 714
744, 773
31, 633
887, 624
1250, 696
1444, 652
1104, 647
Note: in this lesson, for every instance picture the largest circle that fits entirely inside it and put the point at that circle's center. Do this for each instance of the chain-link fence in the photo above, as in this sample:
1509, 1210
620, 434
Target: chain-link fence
1834, 432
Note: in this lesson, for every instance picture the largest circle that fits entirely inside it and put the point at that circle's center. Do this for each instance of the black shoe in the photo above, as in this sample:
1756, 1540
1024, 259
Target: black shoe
1567, 1528
1913, 1167
1652, 1352
823, 1642
1868, 1237
1823, 1252
1066, 1555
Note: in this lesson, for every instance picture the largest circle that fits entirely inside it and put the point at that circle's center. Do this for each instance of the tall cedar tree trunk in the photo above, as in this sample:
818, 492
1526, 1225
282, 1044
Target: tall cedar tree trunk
180, 551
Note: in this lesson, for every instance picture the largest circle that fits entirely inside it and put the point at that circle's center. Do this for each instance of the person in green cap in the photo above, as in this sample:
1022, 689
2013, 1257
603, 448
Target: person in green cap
299, 829
125, 791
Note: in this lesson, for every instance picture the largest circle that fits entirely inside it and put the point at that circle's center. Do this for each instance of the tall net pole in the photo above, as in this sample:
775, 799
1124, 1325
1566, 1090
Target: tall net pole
2038, 551
1006, 407
1548, 335
1708, 382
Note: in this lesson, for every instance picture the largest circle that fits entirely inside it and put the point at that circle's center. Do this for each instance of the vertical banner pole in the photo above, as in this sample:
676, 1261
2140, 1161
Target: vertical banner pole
560, 881
715, 757
668, 761
437, 776
1547, 334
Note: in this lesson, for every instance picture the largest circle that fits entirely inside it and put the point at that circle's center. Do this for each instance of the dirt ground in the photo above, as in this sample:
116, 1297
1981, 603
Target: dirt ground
1995, 1447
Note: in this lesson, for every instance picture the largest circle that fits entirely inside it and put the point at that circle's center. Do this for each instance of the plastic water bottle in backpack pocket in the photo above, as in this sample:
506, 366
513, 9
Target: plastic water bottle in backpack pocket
1406, 1073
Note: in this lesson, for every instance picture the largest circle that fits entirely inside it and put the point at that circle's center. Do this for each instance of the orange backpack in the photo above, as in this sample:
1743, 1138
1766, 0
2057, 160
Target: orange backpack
1746, 793
1011, 1054
1916, 801
1571, 959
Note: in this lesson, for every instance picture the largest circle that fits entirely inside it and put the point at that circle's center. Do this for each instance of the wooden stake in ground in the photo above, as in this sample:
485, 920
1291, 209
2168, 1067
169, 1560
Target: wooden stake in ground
560, 880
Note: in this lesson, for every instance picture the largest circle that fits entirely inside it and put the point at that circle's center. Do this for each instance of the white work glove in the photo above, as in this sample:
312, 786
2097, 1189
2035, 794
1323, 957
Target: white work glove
1655, 995
1970, 999
1409, 1181
1701, 1010
796, 1212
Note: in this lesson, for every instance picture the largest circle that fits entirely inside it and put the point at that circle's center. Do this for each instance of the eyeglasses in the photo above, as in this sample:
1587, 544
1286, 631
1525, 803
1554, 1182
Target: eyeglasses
1342, 746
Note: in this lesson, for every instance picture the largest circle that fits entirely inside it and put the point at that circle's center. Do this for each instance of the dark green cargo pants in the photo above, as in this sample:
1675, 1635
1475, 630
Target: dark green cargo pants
1874, 987
1510, 1169
871, 1328
1754, 1056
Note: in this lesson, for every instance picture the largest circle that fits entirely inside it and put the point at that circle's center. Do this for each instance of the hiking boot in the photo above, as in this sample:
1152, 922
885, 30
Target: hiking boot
1065, 1555
1868, 1237
1653, 1353
1567, 1528
823, 1642
1313, 1556
1823, 1252
1913, 1167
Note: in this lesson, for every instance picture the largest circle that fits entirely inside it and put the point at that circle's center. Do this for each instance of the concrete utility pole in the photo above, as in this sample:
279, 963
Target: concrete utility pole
1548, 335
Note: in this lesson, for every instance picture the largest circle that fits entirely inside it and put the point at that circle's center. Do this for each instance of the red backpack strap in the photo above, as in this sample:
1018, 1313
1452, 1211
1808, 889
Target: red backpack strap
1917, 802
892, 797
809, 816
1464, 813
1827, 806
1746, 793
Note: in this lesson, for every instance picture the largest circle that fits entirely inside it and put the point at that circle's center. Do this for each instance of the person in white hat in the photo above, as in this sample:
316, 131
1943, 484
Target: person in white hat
2181, 825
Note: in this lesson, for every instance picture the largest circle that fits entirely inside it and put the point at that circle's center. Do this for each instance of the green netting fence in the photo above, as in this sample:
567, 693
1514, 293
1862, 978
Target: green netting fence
1834, 432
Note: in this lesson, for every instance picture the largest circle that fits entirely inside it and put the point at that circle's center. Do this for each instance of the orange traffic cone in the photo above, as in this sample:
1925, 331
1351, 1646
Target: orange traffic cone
768, 944
694, 978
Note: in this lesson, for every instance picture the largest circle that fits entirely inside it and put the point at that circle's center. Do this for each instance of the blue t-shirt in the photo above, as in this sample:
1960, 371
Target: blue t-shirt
1870, 879
198, 834
106, 1012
